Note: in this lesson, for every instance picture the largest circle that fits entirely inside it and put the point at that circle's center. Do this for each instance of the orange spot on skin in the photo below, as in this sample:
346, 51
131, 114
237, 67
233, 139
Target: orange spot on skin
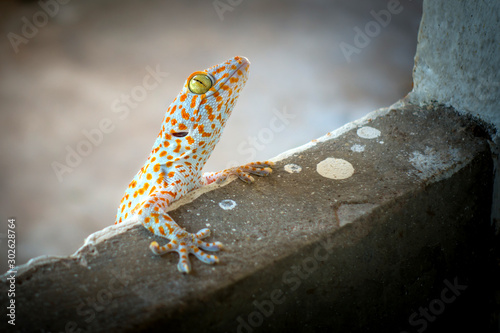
162, 231
163, 153
152, 189
166, 144
185, 115
171, 174
173, 122
193, 101
156, 168
169, 164
151, 229
182, 127
183, 97
147, 219
190, 140
233, 79
173, 110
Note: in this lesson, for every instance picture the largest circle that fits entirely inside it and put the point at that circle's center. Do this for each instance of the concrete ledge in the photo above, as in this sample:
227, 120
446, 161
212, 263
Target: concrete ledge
306, 252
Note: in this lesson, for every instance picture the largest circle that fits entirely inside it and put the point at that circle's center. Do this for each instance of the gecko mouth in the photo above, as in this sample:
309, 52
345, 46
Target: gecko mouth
179, 134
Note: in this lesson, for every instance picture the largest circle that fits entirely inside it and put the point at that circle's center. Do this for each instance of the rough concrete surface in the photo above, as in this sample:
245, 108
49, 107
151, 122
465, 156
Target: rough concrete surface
409, 230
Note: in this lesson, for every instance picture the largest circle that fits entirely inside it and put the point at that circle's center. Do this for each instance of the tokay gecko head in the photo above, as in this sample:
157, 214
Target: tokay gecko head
194, 121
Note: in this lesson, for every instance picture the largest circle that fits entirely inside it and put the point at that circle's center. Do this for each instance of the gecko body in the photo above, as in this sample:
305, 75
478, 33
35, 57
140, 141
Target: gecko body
191, 128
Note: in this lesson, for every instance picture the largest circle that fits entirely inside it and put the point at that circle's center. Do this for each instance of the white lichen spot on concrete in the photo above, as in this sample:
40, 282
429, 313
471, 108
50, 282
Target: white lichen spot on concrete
367, 132
358, 148
227, 204
293, 168
431, 162
335, 168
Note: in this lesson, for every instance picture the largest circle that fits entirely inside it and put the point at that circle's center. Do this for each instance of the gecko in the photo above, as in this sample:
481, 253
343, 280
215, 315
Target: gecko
191, 128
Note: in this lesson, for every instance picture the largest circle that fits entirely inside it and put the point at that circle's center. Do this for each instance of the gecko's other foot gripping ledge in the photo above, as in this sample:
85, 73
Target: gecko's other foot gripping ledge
244, 172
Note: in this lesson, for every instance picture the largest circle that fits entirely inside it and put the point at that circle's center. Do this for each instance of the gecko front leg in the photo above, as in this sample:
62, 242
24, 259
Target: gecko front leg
161, 224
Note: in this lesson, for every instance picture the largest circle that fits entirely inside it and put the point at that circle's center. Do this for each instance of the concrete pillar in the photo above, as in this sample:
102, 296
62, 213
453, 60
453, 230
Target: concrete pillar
458, 64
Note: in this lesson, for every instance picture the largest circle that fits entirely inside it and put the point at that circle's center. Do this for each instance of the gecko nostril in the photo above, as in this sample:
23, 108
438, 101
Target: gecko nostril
180, 134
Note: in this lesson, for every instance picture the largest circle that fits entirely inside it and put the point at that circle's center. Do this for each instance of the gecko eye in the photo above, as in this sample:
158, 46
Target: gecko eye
200, 84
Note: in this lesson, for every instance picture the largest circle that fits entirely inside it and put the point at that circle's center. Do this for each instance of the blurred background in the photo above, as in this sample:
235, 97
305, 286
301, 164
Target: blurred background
84, 86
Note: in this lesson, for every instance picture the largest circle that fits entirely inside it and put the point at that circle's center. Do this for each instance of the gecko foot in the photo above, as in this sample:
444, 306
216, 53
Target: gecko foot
244, 172
185, 243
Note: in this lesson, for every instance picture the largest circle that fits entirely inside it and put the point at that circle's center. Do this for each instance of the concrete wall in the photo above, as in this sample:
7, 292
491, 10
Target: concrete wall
458, 57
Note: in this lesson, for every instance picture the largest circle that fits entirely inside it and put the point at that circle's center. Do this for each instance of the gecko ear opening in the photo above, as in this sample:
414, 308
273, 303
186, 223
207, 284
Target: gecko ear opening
179, 134
200, 83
